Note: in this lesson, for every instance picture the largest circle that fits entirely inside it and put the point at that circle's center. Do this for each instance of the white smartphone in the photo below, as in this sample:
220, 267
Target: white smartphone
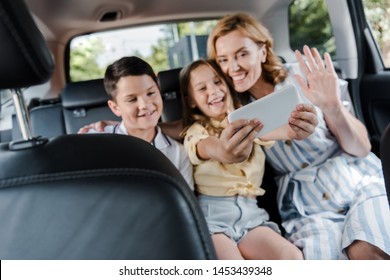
272, 110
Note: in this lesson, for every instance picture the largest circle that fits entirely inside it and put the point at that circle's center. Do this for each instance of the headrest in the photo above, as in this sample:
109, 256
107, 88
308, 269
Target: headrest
169, 80
84, 94
170, 93
25, 59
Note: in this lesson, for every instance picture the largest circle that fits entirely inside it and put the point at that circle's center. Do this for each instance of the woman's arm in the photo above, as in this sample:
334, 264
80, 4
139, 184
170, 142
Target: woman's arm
321, 88
301, 124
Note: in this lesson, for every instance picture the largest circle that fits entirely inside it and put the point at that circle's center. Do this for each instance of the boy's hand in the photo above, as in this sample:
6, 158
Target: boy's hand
98, 126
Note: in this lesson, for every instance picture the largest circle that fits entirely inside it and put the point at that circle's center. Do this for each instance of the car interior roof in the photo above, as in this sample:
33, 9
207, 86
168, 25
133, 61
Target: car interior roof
63, 19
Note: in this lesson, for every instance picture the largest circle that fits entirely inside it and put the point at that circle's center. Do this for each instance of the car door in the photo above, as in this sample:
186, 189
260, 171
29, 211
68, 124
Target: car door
371, 91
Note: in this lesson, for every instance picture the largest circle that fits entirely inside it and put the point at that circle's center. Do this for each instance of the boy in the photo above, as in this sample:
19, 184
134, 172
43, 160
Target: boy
134, 96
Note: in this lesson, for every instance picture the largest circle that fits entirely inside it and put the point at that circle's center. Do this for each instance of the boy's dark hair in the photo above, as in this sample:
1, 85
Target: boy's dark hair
126, 66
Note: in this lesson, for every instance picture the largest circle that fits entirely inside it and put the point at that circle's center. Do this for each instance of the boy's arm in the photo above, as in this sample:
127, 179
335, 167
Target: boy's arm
172, 129
97, 126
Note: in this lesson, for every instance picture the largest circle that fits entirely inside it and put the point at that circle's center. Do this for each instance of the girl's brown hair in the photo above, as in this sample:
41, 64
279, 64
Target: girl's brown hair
273, 69
191, 115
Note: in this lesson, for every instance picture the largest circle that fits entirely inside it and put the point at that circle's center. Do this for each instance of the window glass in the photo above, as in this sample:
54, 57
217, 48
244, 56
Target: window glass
6, 109
5, 96
309, 23
378, 17
164, 46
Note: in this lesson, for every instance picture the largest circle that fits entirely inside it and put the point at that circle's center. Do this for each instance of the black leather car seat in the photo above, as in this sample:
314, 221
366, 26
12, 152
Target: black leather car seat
99, 196
83, 103
170, 92
385, 157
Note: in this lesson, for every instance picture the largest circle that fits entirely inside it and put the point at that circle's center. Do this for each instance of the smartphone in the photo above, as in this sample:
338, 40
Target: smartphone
272, 110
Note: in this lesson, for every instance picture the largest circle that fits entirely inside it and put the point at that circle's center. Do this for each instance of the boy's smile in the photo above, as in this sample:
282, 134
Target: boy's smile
148, 114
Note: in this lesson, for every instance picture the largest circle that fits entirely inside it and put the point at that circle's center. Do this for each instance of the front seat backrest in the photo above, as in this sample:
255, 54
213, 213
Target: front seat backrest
24, 56
97, 196
385, 157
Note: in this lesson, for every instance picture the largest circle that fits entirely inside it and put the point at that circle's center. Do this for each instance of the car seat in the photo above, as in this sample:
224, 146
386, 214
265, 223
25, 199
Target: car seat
83, 103
385, 157
95, 196
170, 92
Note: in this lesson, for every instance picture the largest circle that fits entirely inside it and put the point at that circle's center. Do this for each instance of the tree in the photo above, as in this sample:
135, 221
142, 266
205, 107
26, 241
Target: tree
309, 23
159, 58
83, 59
378, 16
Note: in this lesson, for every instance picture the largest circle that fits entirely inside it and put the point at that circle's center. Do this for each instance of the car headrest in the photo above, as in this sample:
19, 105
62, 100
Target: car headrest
84, 94
170, 93
169, 80
25, 58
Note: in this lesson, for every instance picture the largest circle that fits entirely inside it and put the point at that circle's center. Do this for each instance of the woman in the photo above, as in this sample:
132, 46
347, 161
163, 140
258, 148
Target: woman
331, 188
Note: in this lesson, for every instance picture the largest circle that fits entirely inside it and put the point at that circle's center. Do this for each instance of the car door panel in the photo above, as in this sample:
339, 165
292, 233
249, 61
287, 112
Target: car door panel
375, 95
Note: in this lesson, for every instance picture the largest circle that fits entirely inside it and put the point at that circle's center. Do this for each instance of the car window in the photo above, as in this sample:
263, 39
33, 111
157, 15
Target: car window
6, 109
378, 16
166, 46
309, 23
5, 97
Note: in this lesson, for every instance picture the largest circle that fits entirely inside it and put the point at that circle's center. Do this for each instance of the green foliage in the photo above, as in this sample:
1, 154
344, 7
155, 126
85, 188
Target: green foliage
83, 60
378, 16
309, 24
200, 27
159, 58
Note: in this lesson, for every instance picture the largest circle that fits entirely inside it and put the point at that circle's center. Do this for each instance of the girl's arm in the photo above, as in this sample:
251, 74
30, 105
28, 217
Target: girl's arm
233, 145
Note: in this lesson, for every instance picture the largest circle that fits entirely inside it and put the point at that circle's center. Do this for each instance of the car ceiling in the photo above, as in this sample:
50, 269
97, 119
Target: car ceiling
59, 20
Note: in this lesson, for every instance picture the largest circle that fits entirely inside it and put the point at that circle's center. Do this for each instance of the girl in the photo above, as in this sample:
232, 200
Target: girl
227, 192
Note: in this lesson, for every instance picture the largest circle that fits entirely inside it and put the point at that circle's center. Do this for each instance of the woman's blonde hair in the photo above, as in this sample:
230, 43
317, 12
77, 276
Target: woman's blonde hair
273, 69
192, 115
